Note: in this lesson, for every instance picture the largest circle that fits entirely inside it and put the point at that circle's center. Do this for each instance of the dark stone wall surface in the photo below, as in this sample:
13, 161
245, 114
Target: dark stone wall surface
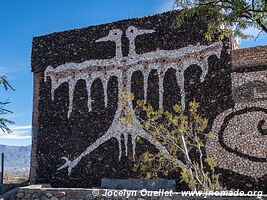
79, 45
60, 136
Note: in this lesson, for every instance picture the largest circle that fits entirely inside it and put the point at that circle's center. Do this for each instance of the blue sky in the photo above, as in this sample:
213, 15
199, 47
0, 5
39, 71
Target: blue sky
21, 20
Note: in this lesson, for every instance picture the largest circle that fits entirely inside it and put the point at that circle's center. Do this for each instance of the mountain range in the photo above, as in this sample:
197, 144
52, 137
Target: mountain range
16, 158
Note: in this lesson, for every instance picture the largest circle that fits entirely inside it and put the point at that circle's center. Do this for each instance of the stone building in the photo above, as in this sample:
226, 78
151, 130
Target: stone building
79, 78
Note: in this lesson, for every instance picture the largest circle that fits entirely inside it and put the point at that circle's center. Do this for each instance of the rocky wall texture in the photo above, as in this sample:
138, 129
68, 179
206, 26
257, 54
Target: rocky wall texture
84, 73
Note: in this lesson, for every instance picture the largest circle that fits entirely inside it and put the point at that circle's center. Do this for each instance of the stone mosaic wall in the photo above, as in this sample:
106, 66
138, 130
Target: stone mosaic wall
241, 142
80, 76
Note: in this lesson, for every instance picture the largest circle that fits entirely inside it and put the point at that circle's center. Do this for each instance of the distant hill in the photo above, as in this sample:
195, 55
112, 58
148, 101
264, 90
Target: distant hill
17, 158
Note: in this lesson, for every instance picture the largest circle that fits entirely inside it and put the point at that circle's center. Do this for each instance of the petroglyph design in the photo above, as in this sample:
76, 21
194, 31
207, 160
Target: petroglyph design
123, 68
241, 139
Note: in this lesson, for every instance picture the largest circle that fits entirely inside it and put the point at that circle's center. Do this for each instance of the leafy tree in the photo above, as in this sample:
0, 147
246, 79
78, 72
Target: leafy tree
182, 135
4, 122
229, 16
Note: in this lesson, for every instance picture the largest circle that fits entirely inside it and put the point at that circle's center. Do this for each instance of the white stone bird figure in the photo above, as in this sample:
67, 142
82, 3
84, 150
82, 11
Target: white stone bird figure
131, 33
114, 36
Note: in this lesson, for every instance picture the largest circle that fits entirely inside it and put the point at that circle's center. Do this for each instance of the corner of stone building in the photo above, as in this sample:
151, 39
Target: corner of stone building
35, 127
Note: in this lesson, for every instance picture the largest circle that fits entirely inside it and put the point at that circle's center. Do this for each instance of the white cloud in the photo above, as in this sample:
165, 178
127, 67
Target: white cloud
167, 5
11, 71
258, 38
19, 114
14, 137
8, 70
252, 31
21, 127
18, 132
